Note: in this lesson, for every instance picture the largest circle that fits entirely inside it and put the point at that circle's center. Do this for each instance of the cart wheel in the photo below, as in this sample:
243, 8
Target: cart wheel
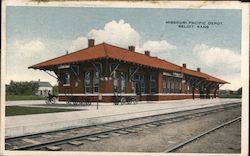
80, 103
75, 102
134, 100
47, 101
123, 101
53, 101
68, 102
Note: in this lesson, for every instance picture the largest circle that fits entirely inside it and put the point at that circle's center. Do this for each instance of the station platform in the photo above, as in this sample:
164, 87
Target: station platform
90, 115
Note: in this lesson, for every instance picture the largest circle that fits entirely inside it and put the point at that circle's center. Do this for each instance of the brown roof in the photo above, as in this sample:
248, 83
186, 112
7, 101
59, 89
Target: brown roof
105, 50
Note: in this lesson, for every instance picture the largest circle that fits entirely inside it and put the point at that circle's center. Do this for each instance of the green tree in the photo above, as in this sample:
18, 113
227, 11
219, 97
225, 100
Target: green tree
22, 88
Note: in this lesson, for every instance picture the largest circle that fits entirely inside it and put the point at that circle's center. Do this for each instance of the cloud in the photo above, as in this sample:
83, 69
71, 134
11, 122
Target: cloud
158, 46
29, 49
118, 33
78, 44
122, 34
162, 48
22, 54
221, 60
234, 79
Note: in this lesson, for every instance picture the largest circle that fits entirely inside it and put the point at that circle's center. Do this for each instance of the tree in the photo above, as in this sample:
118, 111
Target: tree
22, 88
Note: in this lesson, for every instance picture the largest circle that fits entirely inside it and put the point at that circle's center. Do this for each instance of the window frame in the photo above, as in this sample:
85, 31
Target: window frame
116, 81
123, 80
164, 85
85, 82
96, 79
152, 80
66, 81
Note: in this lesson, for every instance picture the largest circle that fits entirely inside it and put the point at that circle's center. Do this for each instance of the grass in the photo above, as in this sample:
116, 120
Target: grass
229, 96
18, 110
23, 97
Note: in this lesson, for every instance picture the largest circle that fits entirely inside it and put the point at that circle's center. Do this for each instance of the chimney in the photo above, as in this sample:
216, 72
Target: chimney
184, 65
198, 69
131, 48
147, 53
91, 43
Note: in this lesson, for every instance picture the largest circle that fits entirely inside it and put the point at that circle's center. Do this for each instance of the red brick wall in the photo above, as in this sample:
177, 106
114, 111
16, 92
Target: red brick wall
106, 86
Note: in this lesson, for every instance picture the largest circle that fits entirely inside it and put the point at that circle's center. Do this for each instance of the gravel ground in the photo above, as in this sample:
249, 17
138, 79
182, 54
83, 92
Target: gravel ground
224, 140
158, 139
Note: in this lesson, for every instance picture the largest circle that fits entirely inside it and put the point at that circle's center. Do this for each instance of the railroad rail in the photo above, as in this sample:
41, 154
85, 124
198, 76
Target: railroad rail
56, 138
201, 135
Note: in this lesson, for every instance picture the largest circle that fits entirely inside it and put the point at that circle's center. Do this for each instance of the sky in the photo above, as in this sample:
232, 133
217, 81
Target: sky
36, 34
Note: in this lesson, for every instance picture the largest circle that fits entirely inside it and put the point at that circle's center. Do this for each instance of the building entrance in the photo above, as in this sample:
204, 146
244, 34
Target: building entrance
138, 88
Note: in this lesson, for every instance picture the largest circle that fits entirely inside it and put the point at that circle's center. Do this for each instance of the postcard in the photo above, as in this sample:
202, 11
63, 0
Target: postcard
124, 78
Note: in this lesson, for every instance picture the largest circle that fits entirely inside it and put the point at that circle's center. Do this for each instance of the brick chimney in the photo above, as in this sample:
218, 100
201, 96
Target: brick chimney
147, 53
184, 65
131, 48
91, 43
198, 69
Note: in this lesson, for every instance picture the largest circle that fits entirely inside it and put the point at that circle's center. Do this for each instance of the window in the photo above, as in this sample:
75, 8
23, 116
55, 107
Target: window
66, 79
164, 85
115, 82
133, 86
123, 82
171, 79
187, 87
152, 84
168, 85
96, 82
142, 83
180, 85
137, 77
177, 85
87, 82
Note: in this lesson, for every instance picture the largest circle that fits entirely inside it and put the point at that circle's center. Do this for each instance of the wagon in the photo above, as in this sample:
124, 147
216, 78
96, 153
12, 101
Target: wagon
122, 100
86, 101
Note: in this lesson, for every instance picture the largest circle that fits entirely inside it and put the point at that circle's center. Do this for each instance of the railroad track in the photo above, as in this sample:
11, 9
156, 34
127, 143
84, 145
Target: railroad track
201, 135
53, 140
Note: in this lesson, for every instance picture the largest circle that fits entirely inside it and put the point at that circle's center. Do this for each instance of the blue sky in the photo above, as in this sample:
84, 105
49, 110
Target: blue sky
35, 34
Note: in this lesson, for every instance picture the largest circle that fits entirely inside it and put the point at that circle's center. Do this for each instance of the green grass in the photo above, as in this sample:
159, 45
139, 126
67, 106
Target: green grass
229, 96
23, 97
18, 110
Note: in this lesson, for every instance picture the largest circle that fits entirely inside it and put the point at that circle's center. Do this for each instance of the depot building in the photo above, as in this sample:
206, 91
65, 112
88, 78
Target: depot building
106, 70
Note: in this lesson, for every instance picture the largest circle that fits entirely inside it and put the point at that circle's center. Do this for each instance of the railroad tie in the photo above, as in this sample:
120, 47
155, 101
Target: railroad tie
131, 131
103, 136
138, 129
93, 139
76, 143
46, 136
115, 134
31, 141
122, 132
54, 148
151, 125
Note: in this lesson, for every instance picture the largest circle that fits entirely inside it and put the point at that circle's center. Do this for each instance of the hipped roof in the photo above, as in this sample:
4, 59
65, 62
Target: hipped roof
105, 50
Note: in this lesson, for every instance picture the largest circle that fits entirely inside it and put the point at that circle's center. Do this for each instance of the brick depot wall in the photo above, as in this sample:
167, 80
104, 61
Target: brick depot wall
106, 86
